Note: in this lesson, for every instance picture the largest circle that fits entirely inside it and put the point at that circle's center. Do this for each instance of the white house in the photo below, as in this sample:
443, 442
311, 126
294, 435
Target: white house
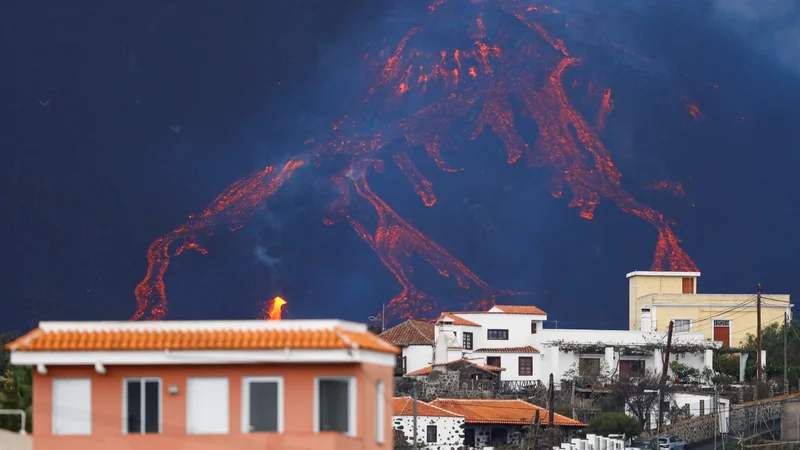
437, 428
696, 405
415, 339
513, 337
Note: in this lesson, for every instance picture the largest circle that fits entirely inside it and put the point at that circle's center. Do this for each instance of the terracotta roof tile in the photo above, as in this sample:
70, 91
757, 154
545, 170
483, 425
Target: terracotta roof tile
410, 332
520, 309
404, 406
526, 349
501, 411
211, 339
429, 369
457, 320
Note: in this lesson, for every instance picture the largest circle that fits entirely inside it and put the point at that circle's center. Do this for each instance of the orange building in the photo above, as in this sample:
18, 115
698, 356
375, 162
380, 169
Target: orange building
294, 385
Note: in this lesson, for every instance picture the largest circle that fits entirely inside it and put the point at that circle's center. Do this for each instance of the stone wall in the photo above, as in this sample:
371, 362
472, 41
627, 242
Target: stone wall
790, 422
449, 431
742, 418
447, 385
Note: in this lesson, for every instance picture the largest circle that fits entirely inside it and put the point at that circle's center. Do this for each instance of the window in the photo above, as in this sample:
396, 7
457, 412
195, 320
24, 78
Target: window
493, 361
683, 325
497, 335
467, 341
631, 368
262, 404
400, 365
432, 433
526, 366
589, 367
207, 405
379, 410
72, 406
702, 407
688, 286
335, 404
142, 402
533, 327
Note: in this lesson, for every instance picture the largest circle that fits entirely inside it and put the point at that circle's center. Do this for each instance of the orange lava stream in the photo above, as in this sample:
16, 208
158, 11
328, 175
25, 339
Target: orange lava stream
461, 91
273, 309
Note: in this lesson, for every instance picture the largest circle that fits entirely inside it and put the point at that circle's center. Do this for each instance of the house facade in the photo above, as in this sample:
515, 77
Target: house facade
656, 298
415, 340
513, 338
695, 405
177, 385
437, 429
493, 422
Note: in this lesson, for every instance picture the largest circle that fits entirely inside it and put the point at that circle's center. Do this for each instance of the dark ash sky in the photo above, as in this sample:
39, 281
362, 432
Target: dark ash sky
119, 121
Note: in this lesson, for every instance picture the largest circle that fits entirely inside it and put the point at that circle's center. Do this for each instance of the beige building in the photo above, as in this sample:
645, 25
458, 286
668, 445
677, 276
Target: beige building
655, 298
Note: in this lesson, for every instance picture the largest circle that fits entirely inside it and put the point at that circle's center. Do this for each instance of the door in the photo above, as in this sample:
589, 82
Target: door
469, 437
72, 406
207, 405
646, 323
722, 332
499, 436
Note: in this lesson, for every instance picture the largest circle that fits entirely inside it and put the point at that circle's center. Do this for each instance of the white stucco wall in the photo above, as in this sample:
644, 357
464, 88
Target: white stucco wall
418, 356
449, 430
518, 326
681, 399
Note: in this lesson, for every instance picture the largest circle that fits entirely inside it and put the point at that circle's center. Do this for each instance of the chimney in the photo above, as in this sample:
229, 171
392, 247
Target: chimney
443, 339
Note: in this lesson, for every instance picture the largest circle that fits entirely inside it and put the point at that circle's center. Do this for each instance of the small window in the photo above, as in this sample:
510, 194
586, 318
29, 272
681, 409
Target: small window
142, 402
525, 366
497, 335
72, 406
335, 403
702, 407
589, 367
379, 410
533, 327
432, 432
262, 404
467, 341
493, 361
400, 365
683, 325
631, 368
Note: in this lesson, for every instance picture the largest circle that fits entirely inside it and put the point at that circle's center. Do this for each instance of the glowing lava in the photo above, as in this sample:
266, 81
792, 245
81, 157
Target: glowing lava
273, 309
487, 78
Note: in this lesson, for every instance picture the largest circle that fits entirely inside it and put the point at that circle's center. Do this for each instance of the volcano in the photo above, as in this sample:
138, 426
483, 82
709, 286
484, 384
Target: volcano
494, 69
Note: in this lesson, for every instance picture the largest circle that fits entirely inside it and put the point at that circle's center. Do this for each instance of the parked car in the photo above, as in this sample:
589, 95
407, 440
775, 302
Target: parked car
671, 442
643, 444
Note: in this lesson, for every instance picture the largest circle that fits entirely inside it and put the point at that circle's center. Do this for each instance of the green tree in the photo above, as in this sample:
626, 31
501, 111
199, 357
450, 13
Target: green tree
17, 393
615, 423
772, 342
5, 355
684, 372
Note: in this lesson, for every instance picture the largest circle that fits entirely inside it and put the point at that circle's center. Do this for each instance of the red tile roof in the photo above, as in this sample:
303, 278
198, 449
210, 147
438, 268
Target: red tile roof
404, 406
429, 369
515, 412
410, 332
526, 349
456, 320
520, 309
122, 339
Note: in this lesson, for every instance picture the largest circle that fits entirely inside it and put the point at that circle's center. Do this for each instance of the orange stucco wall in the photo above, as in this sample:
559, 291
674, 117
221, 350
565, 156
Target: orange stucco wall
298, 381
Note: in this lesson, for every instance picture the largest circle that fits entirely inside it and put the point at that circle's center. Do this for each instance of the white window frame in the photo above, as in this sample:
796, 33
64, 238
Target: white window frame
142, 380
690, 325
351, 403
380, 407
246, 401
91, 412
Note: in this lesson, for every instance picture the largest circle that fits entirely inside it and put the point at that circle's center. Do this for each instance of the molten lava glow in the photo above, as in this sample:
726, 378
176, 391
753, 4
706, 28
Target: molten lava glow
273, 309
425, 99
694, 110
675, 188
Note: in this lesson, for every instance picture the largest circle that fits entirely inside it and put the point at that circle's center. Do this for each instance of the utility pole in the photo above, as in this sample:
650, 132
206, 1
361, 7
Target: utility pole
662, 386
550, 403
758, 334
785, 350
415, 419
715, 411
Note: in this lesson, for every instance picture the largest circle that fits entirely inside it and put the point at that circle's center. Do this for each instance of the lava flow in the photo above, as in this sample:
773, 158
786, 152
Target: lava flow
498, 65
273, 309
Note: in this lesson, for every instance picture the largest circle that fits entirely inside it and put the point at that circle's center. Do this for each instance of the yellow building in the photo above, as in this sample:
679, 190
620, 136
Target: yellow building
655, 298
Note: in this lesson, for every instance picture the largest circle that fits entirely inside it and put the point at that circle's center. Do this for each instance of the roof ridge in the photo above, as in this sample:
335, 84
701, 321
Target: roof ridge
414, 326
